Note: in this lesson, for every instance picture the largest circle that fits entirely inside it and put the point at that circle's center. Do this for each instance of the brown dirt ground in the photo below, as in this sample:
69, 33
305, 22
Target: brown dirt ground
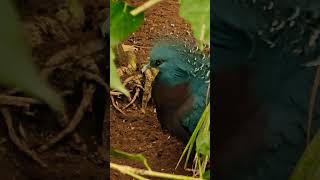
141, 133
49, 36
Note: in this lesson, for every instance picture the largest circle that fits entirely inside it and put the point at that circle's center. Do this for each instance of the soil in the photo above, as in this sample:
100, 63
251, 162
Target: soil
71, 55
137, 132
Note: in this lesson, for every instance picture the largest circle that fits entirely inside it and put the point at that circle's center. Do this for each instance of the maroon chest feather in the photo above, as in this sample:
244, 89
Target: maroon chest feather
172, 104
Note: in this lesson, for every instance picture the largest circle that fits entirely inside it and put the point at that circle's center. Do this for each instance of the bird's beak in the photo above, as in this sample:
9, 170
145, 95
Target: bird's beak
145, 67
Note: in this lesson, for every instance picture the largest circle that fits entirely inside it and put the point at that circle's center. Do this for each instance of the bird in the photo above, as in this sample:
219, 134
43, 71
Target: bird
179, 90
260, 49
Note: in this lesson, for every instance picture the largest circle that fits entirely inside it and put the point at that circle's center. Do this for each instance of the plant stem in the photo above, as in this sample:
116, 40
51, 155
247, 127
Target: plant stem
135, 157
137, 172
143, 7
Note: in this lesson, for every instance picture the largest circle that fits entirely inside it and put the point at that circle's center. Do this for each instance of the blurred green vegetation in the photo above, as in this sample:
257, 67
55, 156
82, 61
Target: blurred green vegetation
16, 67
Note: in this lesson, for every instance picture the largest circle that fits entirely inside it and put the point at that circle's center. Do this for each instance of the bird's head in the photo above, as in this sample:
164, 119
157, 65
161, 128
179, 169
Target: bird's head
177, 63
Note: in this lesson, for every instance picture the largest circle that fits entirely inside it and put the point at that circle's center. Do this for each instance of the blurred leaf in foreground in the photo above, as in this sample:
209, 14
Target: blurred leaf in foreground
115, 82
16, 68
308, 168
197, 13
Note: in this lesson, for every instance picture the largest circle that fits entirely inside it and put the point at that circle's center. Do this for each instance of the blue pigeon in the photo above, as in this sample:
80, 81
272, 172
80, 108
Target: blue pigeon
180, 89
262, 85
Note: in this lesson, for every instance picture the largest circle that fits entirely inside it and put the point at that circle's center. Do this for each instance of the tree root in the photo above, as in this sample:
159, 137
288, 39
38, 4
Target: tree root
96, 78
134, 97
115, 106
17, 101
85, 102
22, 146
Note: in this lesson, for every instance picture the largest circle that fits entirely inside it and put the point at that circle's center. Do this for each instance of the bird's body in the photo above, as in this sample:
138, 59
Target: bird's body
262, 134
180, 88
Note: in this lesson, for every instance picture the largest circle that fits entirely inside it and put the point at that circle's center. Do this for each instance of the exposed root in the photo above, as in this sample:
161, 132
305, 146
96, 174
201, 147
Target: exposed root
85, 102
115, 93
76, 56
22, 131
133, 79
103, 150
134, 98
129, 79
26, 102
115, 106
96, 78
64, 122
17, 101
22, 146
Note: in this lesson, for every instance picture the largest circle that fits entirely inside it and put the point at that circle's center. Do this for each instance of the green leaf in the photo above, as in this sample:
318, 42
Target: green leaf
308, 167
206, 175
122, 23
135, 157
115, 82
16, 67
205, 119
203, 143
197, 13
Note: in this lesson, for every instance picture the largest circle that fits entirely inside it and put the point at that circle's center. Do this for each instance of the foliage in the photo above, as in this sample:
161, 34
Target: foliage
16, 67
123, 24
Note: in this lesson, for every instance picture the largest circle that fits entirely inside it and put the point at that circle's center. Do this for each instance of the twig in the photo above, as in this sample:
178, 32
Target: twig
85, 102
125, 169
144, 6
20, 144
312, 102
